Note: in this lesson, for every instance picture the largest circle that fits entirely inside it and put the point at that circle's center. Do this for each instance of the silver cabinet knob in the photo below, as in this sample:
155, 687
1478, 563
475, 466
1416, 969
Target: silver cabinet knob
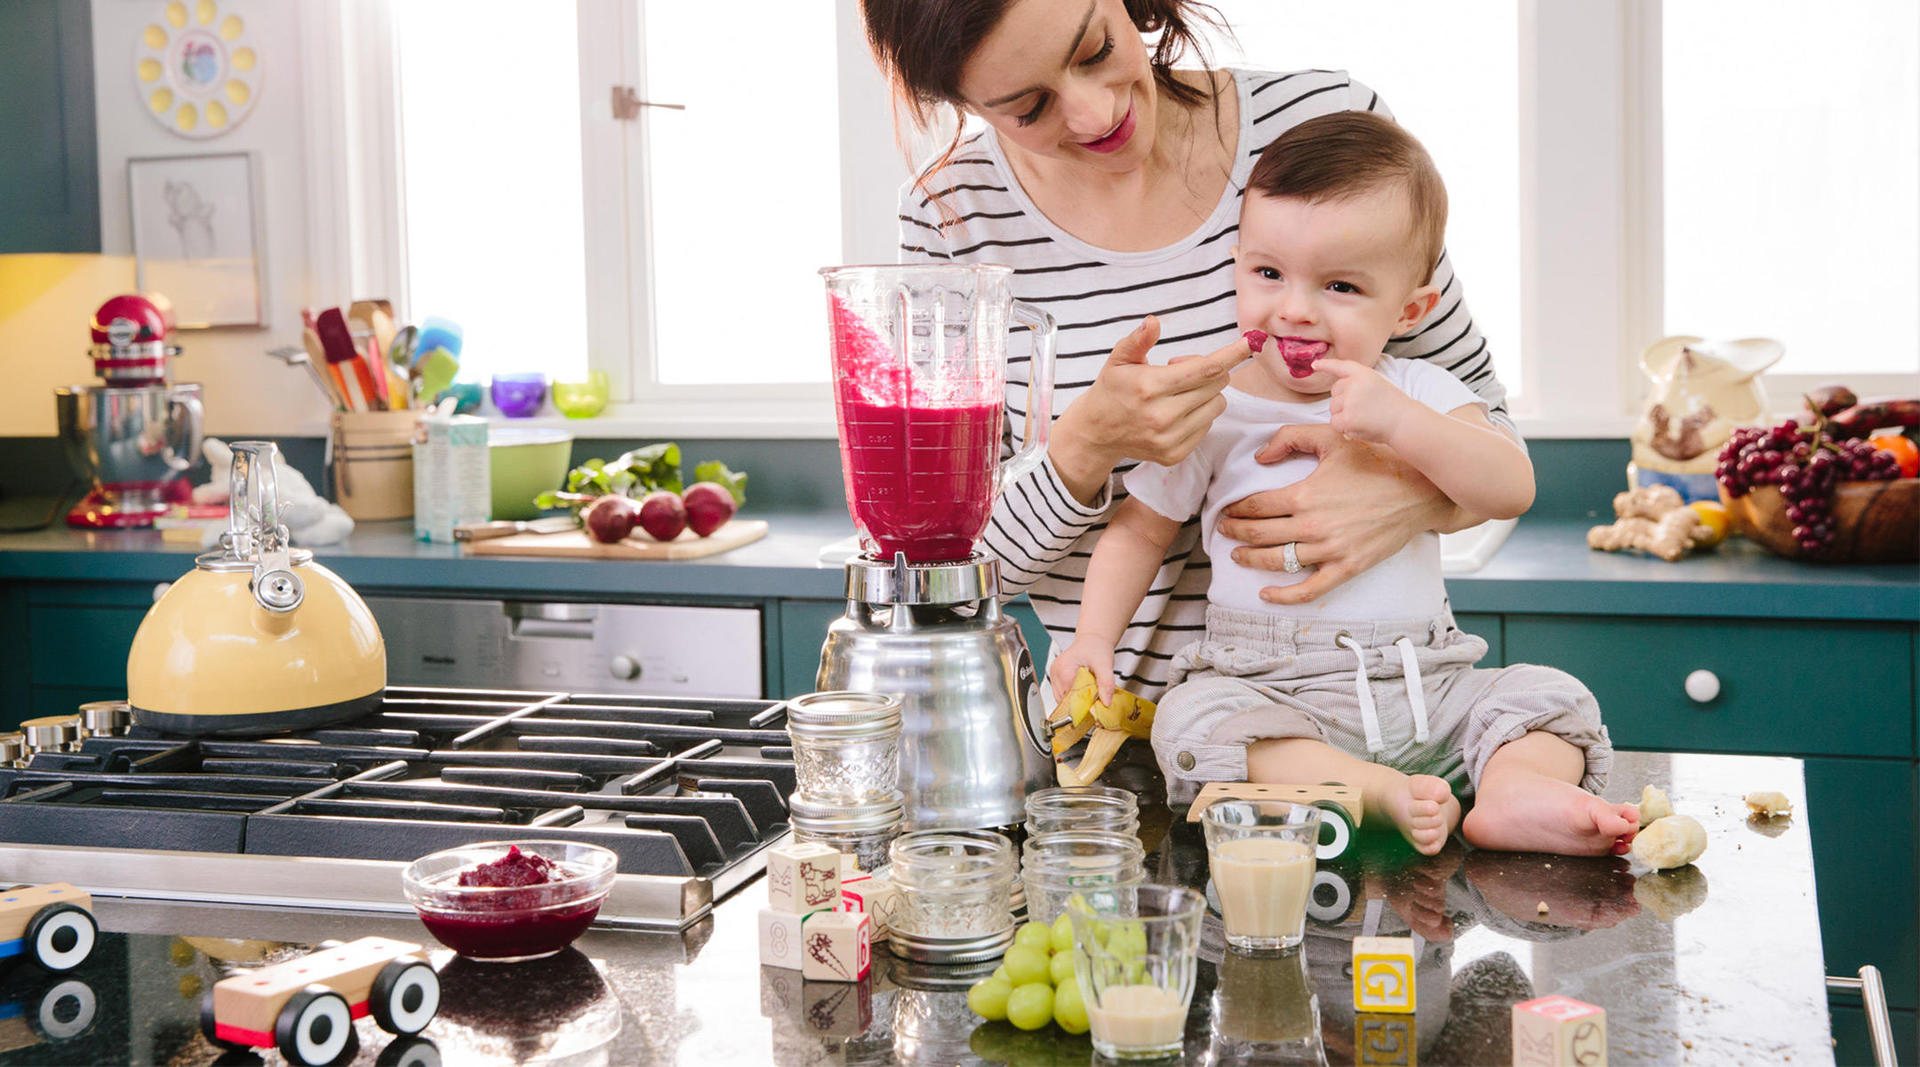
1703, 686
625, 667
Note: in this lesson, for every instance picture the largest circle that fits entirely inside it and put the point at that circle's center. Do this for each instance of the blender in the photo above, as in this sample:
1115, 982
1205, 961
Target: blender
134, 435
919, 362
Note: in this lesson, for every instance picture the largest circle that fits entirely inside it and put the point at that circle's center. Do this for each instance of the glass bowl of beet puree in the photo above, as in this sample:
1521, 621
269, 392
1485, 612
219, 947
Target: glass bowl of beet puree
510, 900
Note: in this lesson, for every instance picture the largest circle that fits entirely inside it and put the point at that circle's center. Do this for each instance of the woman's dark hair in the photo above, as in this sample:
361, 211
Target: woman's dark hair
921, 46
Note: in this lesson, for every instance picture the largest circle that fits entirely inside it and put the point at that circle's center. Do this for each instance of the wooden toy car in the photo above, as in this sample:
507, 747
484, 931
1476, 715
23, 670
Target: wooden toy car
1340, 803
305, 1007
51, 924
62, 1011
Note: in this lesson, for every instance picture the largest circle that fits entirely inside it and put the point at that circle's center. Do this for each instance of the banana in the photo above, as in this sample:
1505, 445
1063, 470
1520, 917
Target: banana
1110, 723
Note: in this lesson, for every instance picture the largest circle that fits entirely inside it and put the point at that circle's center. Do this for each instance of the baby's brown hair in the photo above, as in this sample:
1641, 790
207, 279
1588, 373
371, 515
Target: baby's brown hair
1351, 152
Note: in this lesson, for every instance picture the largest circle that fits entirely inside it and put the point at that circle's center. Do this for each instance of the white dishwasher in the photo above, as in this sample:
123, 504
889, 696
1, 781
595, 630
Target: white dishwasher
659, 649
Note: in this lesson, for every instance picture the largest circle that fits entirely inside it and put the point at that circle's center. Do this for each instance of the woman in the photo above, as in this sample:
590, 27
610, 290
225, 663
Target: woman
1110, 182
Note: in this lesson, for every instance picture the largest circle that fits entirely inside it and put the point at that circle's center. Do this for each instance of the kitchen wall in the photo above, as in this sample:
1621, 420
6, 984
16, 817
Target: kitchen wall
45, 301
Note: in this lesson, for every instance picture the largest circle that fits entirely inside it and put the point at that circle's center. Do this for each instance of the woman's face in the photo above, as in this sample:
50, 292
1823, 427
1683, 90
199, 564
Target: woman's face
1066, 79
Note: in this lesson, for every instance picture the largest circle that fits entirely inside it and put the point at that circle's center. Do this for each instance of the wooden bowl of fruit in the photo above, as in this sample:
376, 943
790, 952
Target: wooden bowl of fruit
1872, 522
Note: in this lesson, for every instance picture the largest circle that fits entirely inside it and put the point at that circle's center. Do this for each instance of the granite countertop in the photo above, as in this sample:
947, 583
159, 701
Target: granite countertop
1719, 963
1544, 566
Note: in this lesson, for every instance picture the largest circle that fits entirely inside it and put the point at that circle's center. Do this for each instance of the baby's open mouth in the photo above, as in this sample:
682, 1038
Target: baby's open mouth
1300, 354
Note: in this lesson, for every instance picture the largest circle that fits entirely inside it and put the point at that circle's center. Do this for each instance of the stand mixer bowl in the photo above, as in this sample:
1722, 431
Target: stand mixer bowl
130, 441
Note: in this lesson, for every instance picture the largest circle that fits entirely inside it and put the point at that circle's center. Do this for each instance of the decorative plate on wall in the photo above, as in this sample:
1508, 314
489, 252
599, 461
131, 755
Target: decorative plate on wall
196, 69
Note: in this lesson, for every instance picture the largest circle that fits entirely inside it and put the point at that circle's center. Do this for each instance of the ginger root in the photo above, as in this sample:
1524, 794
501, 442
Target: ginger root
1652, 519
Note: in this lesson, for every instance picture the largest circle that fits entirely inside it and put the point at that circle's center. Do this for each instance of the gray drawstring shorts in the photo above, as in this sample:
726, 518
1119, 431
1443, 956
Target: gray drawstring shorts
1402, 694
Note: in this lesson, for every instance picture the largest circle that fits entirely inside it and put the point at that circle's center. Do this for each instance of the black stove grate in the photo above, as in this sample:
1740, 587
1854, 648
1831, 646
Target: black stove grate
674, 786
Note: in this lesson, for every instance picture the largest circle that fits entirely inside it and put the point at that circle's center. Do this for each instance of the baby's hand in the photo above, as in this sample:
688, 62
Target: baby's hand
1365, 404
1082, 653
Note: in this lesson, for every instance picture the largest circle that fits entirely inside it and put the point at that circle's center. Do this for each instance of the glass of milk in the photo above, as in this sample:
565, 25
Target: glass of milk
1260, 854
1134, 949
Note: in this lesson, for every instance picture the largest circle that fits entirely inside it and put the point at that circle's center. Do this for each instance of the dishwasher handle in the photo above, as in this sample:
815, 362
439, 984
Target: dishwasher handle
1874, 995
531, 619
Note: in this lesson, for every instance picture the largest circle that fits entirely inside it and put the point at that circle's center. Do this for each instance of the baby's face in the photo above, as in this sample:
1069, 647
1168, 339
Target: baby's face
1333, 279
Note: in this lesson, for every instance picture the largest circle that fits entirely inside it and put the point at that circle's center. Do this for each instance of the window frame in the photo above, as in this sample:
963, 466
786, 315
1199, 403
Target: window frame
1590, 202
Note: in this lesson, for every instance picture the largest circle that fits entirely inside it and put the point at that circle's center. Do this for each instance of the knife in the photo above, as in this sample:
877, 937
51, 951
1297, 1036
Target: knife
486, 531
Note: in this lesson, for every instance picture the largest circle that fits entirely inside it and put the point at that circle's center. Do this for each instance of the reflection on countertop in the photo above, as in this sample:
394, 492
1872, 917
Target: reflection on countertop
1719, 963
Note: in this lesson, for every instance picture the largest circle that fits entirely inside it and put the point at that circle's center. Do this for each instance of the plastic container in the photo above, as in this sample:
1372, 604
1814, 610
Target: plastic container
522, 463
373, 463
507, 923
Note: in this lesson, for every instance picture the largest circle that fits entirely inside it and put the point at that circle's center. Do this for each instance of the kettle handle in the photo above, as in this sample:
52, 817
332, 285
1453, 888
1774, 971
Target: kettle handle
1039, 423
253, 526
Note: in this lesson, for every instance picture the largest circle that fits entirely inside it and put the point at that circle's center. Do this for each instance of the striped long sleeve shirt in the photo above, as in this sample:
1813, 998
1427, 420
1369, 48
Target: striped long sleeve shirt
1041, 536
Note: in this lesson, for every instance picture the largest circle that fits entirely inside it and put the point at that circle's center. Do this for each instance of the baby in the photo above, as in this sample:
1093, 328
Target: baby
1340, 227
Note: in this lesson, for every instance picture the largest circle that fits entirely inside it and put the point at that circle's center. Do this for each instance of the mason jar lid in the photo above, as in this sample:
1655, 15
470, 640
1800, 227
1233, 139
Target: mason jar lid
833, 819
843, 715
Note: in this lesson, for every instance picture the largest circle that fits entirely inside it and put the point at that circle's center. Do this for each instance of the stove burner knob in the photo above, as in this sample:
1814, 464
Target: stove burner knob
279, 591
625, 667
13, 749
104, 718
51, 733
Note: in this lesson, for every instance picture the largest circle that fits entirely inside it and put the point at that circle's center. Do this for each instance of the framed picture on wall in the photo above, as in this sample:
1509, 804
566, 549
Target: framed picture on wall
196, 236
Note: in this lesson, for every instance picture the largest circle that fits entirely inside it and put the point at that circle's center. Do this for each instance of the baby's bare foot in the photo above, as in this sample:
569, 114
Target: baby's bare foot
1528, 812
1425, 810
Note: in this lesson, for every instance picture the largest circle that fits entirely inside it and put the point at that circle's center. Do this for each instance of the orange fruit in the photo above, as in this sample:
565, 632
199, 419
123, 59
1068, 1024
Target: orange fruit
1903, 449
1713, 515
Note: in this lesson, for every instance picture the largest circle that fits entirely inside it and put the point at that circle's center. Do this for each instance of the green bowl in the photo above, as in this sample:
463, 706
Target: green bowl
523, 463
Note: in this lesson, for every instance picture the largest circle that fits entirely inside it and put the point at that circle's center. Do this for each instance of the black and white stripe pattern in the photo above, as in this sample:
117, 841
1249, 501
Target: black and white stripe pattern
1041, 535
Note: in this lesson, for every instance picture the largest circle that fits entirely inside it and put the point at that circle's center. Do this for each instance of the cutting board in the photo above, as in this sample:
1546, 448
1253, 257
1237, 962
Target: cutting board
576, 543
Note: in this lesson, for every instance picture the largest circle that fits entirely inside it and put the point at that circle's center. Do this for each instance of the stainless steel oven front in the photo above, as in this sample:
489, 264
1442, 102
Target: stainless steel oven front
661, 649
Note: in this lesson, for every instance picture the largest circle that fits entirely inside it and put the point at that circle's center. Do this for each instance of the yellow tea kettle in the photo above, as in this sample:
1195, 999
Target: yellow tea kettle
257, 638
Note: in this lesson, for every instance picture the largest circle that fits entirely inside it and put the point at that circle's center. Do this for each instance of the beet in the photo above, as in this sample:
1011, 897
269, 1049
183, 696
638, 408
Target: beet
709, 506
611, 518
663, 514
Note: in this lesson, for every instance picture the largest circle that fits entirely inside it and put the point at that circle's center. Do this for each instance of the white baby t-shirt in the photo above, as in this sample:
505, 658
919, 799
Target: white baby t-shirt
1406, 585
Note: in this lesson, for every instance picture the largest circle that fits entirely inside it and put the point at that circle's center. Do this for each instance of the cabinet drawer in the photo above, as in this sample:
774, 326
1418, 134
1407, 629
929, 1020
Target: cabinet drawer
82, 646
1785, 688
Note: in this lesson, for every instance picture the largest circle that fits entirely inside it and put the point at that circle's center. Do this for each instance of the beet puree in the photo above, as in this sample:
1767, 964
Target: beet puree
509, 934
516, 868
920, 480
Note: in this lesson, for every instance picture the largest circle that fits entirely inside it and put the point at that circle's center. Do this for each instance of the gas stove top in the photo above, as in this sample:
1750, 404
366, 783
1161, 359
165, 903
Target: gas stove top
687, 792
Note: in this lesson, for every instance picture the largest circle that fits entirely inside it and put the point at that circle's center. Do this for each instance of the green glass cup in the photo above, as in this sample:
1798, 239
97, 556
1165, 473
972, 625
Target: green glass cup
583, 400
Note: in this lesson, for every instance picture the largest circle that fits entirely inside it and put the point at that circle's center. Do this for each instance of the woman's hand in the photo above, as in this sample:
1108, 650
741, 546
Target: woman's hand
1087, 654
1359, 506
1135, 410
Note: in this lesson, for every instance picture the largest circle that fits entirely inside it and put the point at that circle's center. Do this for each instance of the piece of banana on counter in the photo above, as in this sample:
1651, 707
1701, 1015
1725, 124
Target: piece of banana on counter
1081, 713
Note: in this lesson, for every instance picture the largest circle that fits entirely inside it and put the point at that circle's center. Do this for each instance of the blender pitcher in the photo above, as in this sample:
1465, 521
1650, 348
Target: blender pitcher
920, 380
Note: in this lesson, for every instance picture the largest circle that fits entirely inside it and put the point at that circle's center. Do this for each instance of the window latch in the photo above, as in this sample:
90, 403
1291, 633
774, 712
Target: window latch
627, 103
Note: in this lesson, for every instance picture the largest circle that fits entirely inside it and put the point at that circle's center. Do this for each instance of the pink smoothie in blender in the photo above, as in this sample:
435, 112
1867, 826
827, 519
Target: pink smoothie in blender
919, 359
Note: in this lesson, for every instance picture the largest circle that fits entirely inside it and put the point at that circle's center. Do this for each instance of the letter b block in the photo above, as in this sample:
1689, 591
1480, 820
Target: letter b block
1383, 974
1559, 1032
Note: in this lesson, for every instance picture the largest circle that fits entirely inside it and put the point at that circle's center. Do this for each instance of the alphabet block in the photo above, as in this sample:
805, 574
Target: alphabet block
837, 1009
869, 893
836, 946
1559, 1031
779, 992
1385, 1041
1383, 974
780, 934
803, 877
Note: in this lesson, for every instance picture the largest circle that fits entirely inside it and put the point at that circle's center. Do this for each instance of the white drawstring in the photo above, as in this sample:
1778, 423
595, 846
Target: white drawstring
1369, 718
1415, 695
1369, 715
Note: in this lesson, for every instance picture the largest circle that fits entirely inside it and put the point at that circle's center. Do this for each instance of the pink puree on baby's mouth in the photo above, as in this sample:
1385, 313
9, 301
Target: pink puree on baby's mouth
920, 476
1300, 355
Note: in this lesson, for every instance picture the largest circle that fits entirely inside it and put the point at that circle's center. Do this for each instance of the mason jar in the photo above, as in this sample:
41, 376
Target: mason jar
1057, 865
951, 891
1082, 807
846, 746
863, 831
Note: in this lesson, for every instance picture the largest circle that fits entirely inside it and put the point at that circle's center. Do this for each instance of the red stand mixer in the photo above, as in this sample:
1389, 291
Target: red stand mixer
919, 366
136, 433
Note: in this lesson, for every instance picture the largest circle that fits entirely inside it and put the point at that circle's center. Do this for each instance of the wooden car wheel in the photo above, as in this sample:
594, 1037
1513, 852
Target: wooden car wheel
67, 1010
314, 1027
409, 1052
1330, 900
405, 996
1336, 831
60, 937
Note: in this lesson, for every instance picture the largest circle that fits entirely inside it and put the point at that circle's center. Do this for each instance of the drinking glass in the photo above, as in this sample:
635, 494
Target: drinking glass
1134, 951
519, 396
583, 400
1264, 1011
1261, 856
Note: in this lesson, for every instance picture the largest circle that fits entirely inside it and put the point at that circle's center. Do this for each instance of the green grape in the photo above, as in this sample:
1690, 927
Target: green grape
1034, 935
1061, 967
1063, 933
1127, 941
1000, 972
993, 1041
988, 998
1134, 973
1069, 1010
1025, 965
1031, 1005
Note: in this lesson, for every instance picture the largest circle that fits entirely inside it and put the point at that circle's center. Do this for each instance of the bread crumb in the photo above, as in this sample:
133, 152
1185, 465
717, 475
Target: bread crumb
1543, 907
1687, 1044
1769, 803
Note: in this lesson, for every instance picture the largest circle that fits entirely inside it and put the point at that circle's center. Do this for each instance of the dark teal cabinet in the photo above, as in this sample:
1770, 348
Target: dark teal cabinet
49, 168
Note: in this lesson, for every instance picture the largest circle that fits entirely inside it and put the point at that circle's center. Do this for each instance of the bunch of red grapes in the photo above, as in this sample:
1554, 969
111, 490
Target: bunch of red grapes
1804, 465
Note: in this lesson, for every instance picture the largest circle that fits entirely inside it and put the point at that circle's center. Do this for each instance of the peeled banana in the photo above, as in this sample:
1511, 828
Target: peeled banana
1111, 724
